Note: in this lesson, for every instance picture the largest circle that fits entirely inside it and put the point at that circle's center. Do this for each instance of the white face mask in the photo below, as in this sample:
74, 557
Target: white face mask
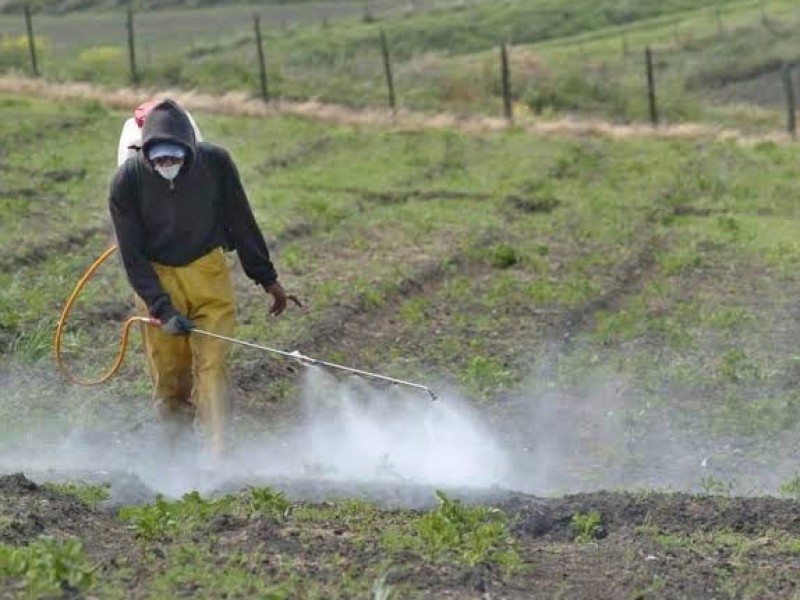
168, 173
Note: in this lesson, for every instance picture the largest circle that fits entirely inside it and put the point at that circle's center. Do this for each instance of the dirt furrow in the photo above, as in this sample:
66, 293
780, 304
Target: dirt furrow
42, 252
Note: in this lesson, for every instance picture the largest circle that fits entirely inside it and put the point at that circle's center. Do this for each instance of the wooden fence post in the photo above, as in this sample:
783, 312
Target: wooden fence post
131, 46
651, 87
788, 87
387, 67
505, 73
262, 63
31, 41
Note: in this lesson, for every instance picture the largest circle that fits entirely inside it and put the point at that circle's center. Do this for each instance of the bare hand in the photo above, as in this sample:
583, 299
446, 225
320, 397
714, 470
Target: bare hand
279, 298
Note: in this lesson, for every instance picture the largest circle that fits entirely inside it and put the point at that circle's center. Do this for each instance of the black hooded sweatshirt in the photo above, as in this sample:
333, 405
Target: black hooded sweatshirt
175, 223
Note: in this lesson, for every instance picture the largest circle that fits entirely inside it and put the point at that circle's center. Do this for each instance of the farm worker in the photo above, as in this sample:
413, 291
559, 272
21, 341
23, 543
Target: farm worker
175, 205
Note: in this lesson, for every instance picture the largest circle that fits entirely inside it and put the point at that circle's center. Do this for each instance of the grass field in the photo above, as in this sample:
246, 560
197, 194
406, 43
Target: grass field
615, 313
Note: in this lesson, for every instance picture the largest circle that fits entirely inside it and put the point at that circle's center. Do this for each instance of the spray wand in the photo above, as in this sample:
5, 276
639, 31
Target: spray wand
307, 360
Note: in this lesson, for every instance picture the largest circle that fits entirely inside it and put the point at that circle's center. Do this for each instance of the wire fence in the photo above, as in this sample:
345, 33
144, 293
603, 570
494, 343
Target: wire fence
678, 72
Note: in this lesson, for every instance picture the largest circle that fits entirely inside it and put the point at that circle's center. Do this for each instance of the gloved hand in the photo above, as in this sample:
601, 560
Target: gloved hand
279, 298
178, 325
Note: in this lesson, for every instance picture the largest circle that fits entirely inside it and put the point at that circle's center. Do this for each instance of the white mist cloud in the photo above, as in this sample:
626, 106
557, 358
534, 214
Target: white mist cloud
349, 431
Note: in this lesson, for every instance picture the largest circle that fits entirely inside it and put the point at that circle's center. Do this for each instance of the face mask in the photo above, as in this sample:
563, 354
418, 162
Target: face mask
168, 173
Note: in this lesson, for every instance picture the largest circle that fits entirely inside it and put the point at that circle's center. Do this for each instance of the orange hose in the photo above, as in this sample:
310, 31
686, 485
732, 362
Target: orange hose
123, 344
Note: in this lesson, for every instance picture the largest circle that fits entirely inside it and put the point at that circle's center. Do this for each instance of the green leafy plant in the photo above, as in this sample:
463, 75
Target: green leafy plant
587, 526
462, 534
484, 373
267, 501
165, 519
791, 488
503, 256
46, 565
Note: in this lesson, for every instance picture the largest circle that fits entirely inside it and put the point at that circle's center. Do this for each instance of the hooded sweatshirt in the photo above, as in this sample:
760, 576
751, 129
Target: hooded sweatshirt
175, 223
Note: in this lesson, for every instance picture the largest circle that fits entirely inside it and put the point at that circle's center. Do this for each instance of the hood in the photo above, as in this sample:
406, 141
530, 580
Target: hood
168, 122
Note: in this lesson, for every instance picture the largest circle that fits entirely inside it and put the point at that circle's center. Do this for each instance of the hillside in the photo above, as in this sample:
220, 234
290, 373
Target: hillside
596, 313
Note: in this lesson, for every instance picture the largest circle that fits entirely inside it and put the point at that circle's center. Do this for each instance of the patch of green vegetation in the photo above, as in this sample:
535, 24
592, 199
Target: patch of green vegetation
587, 527
173, 519
45, 566
266, 501
485, 374
791, 487
234, 575
714, 486
503, 256
91, 495
453, 532
738, 546
34, 343
165, 519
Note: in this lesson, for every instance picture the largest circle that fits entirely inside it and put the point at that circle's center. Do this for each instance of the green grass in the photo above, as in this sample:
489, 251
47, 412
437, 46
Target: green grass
91, 495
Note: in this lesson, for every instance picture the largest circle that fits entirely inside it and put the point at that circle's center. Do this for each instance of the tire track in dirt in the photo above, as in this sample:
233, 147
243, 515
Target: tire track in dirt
311, 148
629, 278
246, 105
62, 245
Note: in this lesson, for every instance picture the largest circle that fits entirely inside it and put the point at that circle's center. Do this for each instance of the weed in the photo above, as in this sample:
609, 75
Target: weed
456, 533
791, 487
91, 495
587, 526
34, 342
484, 374
266, 501
713, 486
165, 519
502, 256
382, 590
736, 367
47, 565
414, 310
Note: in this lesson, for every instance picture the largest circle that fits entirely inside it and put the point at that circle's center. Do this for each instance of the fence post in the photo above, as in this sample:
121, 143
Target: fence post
788, 87
505, 71
262, 63
131, 46
651, 87
31, 41
387, 67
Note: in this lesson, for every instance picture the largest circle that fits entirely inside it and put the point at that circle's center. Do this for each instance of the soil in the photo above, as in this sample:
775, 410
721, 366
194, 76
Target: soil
623, 560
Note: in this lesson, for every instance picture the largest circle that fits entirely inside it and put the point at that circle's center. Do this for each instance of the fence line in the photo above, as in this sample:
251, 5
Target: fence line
505, 66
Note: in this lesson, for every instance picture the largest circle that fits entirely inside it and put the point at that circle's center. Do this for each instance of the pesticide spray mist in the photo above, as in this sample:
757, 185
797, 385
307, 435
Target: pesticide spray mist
349, 432
352, 438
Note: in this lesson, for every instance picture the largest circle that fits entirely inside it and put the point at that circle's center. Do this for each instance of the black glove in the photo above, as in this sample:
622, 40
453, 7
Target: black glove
178, 325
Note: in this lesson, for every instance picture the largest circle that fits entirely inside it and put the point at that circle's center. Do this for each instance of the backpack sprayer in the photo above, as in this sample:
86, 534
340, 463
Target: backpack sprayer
123, 346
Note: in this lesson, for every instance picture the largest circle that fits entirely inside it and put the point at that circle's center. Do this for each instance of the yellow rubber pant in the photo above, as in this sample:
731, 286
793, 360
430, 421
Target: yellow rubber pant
190, 372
